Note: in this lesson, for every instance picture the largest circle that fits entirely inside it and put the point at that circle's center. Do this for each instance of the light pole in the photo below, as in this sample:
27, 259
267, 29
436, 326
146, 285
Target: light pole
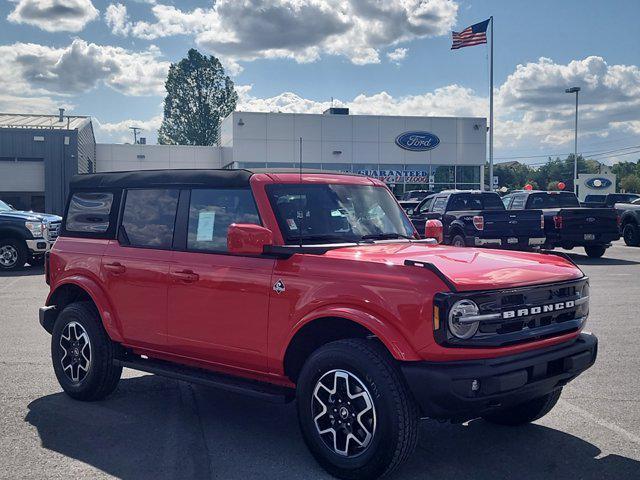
575, 142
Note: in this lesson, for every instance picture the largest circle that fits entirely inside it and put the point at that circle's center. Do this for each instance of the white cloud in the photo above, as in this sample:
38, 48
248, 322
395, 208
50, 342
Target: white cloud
117, 19
54, 15
79, 67
397, 55
245, 30
120, 132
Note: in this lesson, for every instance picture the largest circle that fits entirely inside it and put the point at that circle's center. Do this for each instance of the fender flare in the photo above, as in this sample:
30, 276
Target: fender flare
392, 339
99, 298
457, 226
15, 232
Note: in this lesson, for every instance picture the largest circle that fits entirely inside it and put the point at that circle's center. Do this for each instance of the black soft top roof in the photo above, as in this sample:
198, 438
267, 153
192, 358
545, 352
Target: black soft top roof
181, 177
159, 178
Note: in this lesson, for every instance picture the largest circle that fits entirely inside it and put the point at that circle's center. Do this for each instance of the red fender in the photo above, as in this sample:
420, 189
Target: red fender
93, 289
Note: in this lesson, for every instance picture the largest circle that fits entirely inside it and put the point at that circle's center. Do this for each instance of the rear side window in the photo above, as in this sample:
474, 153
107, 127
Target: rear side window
89, 212
518, 202
212, 211
149, 218
439, 204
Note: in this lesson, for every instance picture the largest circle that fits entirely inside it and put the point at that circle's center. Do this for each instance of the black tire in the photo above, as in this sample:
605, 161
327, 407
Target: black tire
525, 412
631, 234
595, 251
395, 427
14, 254
458, 240
100, 376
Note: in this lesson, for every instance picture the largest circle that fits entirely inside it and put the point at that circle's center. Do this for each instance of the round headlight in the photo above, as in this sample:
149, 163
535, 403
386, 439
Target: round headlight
457, 314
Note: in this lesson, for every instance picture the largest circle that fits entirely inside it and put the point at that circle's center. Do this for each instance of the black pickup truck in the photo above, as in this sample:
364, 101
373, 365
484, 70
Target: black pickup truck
566, 223
609, 200
629, 214
25, 236
476, 218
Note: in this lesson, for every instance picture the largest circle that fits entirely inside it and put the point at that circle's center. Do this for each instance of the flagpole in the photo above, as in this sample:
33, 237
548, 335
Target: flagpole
491, 112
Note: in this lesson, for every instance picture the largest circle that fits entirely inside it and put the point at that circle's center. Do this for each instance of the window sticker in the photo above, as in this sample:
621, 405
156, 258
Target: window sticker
206, 221
292, 224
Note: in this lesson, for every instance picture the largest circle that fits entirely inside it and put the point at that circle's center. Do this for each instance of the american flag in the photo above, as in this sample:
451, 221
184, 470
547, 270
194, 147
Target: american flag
473, 35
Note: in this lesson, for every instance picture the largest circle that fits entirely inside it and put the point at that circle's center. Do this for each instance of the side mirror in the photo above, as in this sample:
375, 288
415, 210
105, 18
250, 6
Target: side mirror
248, 239
433, 229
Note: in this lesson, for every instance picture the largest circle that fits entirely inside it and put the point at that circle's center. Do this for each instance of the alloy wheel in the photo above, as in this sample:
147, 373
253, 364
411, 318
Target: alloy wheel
76, 346
8, 256
343, 413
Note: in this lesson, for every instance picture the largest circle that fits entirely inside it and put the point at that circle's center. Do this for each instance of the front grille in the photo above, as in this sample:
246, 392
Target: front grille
53, 231
524, 314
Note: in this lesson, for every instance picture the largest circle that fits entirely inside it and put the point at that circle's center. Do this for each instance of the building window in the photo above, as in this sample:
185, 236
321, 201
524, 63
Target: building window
337, 167
467, 174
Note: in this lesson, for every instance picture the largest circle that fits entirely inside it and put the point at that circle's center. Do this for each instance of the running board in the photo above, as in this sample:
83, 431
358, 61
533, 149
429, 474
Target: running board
262, 390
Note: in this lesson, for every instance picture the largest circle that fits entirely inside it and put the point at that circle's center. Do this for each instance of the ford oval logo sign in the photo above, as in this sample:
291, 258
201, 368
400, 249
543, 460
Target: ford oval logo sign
598, 183
417, 141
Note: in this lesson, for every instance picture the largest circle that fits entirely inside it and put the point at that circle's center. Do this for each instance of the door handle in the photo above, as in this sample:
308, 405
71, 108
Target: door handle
115, 267
186, 276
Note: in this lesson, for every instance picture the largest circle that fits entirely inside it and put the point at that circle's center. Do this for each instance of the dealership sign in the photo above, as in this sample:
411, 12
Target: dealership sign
399, 176
598, 183
417, 141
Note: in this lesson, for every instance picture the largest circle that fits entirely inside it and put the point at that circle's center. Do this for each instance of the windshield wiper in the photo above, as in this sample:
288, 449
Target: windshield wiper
323, 237
386, 236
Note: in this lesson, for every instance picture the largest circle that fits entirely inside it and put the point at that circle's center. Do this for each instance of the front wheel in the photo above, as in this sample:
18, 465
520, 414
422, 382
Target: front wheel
631, 234
83, 354
595, 251
525, 412
13, 254
355, 412
458, 241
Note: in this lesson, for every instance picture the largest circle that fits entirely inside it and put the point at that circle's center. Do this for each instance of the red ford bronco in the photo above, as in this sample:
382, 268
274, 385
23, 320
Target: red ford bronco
308, 286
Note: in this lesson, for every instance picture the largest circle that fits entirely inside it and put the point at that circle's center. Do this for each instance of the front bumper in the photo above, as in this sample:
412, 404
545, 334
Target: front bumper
509, 242
38, 246
468, 389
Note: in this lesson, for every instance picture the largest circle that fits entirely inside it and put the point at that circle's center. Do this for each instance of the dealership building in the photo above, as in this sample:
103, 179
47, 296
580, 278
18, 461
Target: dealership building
39, 155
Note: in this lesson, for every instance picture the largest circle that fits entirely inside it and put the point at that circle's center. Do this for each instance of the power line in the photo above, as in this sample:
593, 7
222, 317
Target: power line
590, 152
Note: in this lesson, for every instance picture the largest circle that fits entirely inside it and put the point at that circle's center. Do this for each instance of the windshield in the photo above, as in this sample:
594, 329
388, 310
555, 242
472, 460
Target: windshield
4, 207
552, 200
332, 213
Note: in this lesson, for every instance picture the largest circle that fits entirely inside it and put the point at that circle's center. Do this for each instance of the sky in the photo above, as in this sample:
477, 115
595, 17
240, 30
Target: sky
109, 60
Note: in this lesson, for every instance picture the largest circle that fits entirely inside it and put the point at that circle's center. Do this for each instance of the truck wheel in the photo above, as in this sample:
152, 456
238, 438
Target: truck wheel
458, 241
83, 354
631, 235
13, 254
355, 412
595, 251
525, 412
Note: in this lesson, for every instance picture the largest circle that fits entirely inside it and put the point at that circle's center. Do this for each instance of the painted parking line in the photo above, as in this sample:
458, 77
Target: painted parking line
599, 421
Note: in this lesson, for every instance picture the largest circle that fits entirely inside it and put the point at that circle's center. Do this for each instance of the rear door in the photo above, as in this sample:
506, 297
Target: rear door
218, 303
135, 266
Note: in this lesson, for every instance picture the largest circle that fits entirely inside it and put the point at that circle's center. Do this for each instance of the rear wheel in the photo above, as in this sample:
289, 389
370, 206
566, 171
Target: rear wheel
458, 241
356, 415
13, 254
631, 234
83, 354
525, 412
595, 251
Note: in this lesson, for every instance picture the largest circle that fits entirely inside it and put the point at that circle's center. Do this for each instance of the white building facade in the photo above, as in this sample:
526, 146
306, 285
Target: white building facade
407, 152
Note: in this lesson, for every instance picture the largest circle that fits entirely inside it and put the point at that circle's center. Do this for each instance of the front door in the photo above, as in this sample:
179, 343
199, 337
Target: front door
218, 303
135, 267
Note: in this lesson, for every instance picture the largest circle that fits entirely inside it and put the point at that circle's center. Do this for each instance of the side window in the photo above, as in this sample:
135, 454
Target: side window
149, 217
518, 202
89, 212
506, 201
212, 211
424, 208
439, 203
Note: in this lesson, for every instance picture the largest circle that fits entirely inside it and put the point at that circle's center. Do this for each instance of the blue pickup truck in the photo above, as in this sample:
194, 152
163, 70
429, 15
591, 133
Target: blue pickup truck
478, 218
25, 236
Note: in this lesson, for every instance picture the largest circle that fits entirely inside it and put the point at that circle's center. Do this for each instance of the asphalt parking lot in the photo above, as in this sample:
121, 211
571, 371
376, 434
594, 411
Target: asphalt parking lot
157, 428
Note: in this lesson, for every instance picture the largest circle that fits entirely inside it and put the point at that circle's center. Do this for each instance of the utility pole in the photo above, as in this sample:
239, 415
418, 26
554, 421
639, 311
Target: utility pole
135, 133
575, 142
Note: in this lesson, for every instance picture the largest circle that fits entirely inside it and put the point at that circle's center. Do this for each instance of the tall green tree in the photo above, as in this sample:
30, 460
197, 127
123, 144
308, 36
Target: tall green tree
199, 96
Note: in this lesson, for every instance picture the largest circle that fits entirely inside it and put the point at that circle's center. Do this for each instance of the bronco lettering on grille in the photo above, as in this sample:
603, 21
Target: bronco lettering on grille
551, 307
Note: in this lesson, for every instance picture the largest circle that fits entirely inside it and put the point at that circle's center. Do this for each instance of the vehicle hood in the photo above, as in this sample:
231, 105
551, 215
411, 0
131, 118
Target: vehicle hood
22, 215
470, 268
